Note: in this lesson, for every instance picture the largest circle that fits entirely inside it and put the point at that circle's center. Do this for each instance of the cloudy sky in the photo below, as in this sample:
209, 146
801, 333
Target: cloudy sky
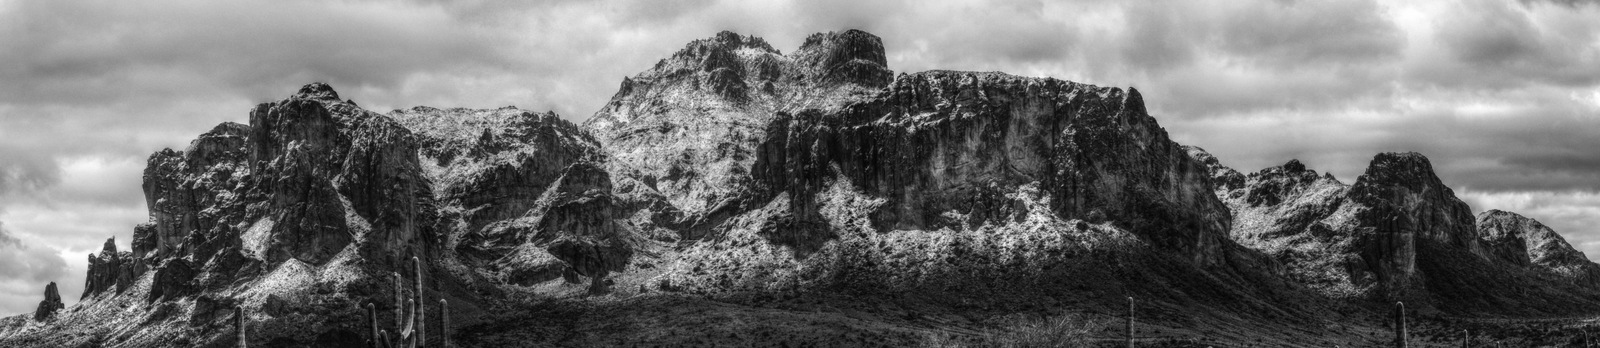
1503, 95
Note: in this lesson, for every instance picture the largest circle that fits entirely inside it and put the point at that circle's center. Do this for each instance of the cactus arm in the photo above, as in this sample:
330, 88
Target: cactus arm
421, 302
444, 323
372, 326
399, 304
1130, 322
239, 320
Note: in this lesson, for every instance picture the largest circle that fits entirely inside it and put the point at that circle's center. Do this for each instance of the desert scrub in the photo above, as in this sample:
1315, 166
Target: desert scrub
1071, 330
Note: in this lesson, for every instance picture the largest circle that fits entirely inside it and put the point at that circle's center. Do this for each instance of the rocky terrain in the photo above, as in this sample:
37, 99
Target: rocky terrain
734, 195
1399, 234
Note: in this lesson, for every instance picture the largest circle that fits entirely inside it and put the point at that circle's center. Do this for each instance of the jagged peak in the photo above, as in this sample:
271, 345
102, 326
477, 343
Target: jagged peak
228, 128
317, 91
850, 56
851, 39
724, 41
1539, 244
1294, 165
51, 292
1222, 176
110, 246
1199, 152
1489, 222
1499, 213
1405, 169
954, 85
733, 39
166, 152
1134, 102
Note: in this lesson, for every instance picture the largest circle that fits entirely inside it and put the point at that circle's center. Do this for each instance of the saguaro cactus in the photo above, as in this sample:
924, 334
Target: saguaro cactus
1130, 322
238, 323
1400, 324
444, 323
409, 317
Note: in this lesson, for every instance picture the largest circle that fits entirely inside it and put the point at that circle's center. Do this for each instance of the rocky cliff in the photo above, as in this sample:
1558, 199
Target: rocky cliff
945, 150
812, 195
1398, 232
303, 211
50, 305
524, 199
687, 128
1518, 240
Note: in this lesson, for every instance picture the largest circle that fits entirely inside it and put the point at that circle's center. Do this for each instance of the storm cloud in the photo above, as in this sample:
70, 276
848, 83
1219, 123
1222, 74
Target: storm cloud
24, 270
1504, 96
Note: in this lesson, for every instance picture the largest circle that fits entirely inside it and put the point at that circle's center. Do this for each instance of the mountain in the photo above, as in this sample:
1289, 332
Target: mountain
1398, 233
733, 195
686, 129
299, 215
1518, 240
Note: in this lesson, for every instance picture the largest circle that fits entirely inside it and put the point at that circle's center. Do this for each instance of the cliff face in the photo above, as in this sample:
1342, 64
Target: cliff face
51, 303
1518, 240
492, 165
945, 149
687, 128
1346, 240
522, 197
331, 172
733, 172
314, 193
1397, 233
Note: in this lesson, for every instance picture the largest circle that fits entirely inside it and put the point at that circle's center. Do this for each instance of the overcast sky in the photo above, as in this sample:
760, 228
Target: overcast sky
1502, 95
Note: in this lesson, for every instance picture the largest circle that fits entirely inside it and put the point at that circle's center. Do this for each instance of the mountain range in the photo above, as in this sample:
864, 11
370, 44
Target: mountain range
735, 195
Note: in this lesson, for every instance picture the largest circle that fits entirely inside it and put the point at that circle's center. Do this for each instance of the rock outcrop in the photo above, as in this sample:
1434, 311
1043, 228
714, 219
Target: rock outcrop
313, 184
51, 303
687, 129
573, 226
492, 165
331, 173
737, 177
1398, 232
1355, 240
945, 149
1518, 240
523, 194
110, 271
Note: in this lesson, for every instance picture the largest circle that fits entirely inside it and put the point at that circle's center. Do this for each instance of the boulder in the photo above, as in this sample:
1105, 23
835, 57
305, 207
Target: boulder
172, 280
593, 258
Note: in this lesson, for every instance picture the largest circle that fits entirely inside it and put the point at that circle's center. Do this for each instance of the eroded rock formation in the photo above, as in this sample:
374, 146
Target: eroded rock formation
1518, 240
687, 129
947, 148
109, 271
1398, 232
51, 303
733, 170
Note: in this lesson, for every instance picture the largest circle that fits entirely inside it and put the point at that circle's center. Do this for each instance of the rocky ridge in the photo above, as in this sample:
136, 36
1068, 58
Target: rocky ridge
1397, 233
1518, 240
945, 150
732, 180
686, 129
